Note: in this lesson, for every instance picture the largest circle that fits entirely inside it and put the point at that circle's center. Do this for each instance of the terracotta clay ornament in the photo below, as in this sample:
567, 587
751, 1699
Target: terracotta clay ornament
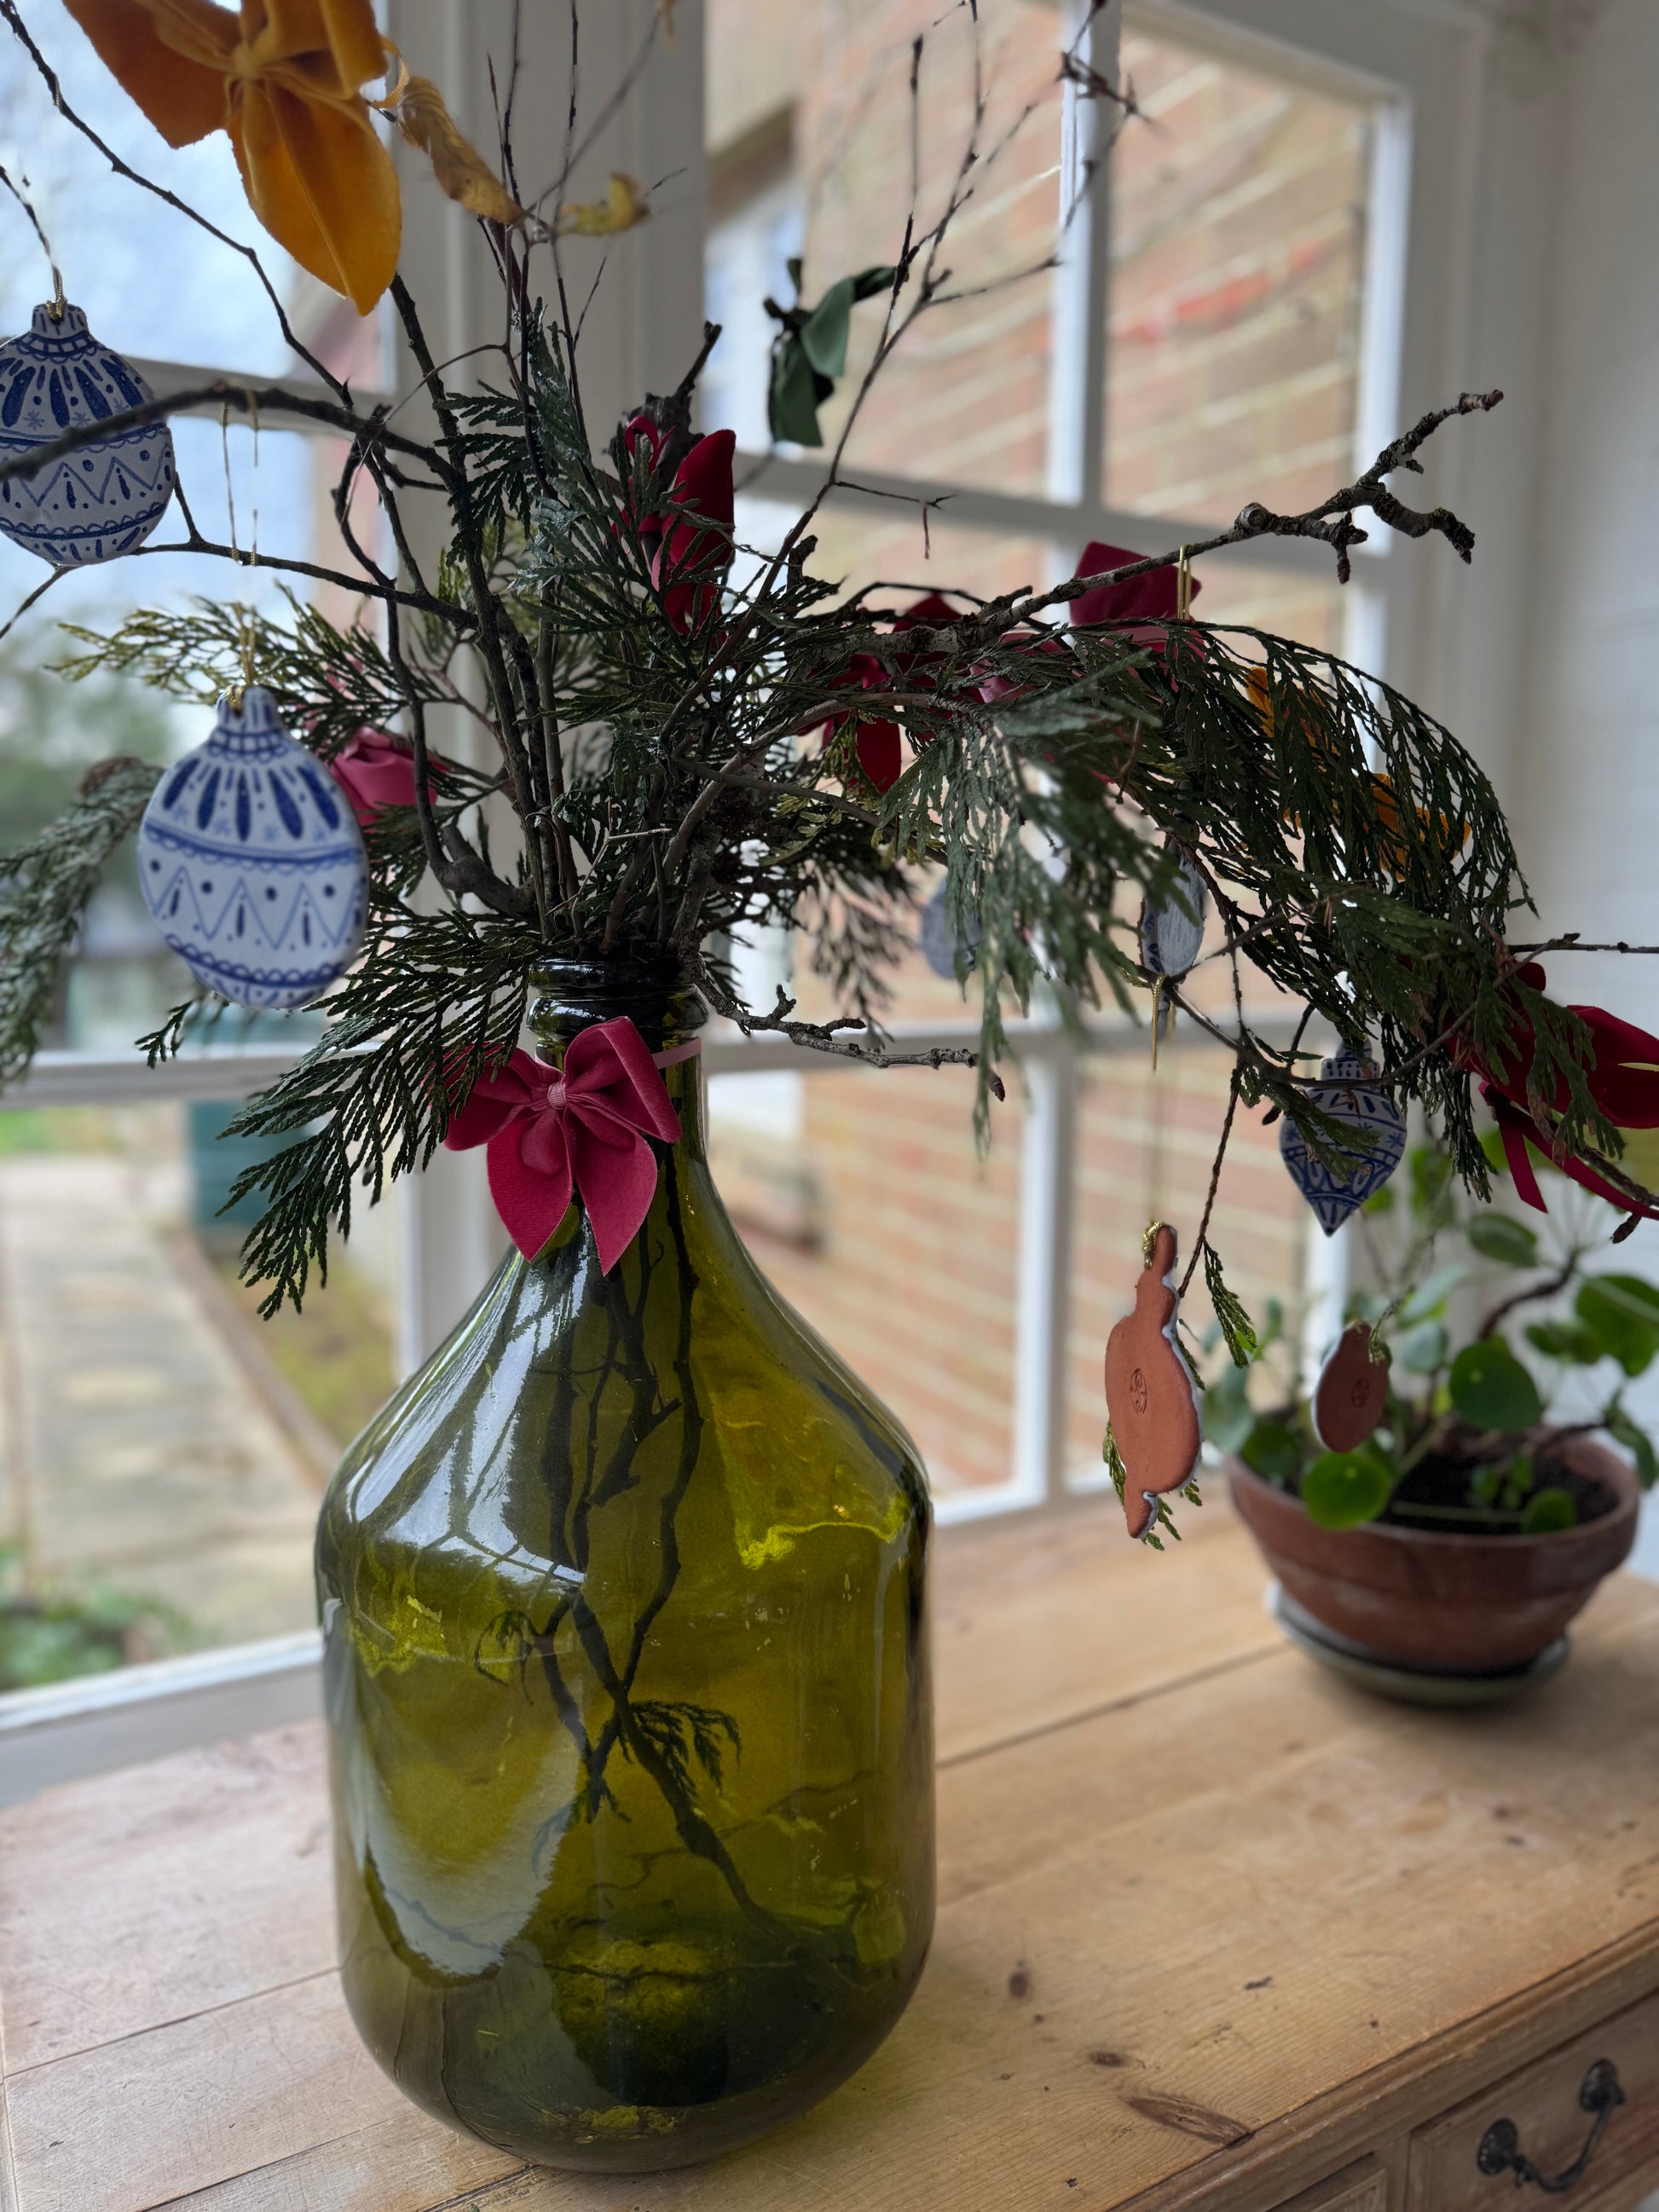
1150, 1396
1353, 1391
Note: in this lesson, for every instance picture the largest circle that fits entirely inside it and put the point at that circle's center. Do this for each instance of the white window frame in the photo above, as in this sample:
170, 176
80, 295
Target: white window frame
1426, 63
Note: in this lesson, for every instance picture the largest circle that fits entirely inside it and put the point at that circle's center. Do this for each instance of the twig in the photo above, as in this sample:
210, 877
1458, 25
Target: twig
1202, 1237
1331, 521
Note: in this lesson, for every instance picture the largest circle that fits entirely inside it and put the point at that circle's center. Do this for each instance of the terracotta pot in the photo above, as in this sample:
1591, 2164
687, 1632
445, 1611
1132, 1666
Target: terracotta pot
1418, 1597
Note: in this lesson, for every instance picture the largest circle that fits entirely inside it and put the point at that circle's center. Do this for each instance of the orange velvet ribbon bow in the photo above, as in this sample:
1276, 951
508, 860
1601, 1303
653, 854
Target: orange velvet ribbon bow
283, 79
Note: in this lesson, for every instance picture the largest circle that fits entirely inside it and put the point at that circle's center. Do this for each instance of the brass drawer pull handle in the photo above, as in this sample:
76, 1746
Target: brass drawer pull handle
1500, 2150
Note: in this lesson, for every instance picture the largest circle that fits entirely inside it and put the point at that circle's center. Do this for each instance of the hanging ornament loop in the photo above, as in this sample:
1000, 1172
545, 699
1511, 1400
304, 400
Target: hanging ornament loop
1183, 587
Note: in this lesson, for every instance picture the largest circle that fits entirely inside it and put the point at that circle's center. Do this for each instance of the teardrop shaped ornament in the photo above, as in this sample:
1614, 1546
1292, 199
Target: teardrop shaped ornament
1338, 1184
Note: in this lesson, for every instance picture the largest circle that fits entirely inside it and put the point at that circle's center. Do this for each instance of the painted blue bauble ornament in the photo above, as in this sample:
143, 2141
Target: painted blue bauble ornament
251, 863
1347, 1091
104, 498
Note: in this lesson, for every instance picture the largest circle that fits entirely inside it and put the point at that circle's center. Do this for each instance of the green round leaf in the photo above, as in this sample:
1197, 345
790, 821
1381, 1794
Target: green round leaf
1622, 1311
1565, 1340
1549, 1509
1345, 1488
1491, 1389
1272, 1451
1636, 1441
1430, 1297
1228, 1420
1423, 1348
1498, 1236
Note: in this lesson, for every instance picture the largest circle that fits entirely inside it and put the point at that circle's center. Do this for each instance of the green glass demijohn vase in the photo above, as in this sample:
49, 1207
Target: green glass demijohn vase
622, 1599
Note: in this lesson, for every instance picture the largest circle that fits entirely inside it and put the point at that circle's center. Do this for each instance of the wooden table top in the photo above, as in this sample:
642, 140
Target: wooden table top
1208, 1920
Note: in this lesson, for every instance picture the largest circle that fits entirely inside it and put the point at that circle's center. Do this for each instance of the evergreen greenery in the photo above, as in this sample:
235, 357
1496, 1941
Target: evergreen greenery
657, 699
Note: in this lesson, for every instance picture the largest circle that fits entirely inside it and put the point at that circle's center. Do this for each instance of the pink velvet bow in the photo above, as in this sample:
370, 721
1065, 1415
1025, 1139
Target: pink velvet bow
581, 1131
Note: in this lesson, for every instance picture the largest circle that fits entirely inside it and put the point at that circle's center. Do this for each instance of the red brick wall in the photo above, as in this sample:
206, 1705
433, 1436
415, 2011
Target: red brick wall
1236, 230
1237, 237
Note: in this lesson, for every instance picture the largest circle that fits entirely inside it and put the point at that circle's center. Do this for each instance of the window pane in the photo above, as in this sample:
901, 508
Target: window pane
111, 237
122, 978
1237, 225
882, 542
1312, 608
809, 129
1146, 1142
162, 1450
861, 1196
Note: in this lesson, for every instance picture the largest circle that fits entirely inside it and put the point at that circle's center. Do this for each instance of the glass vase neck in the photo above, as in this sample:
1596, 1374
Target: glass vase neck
569, 996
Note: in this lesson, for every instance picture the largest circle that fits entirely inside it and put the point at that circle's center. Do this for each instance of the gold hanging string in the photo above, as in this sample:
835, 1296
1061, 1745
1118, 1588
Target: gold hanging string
1183, 587
1149, 1237
245, 627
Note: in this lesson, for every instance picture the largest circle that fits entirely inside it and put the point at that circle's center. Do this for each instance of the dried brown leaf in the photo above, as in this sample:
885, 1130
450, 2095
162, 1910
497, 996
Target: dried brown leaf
420, 114
623, 205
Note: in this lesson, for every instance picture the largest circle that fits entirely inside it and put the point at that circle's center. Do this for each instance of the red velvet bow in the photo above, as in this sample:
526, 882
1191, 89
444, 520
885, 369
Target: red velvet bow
375, 770
690, 548
581, 1131
1623, 1076
878, 744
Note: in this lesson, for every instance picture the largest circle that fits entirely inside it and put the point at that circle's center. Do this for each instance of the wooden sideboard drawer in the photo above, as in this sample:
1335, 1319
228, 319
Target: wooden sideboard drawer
1545, 2103
1362, 2187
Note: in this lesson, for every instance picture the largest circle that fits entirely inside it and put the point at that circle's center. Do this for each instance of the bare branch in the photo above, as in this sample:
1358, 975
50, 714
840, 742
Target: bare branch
1331, 521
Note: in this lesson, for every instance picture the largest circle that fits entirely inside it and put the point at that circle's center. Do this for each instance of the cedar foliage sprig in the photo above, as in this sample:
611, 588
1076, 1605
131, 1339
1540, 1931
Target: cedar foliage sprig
45, 888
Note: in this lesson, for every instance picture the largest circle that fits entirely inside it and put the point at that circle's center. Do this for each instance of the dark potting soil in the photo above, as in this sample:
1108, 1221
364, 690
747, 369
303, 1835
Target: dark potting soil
1441, 1480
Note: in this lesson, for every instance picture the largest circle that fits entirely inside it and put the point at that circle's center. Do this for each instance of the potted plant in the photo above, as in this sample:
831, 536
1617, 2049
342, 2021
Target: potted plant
1457, 1541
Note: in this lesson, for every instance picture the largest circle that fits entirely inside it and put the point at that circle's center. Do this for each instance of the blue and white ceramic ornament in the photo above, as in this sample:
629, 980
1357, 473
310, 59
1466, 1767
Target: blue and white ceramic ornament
251, 863
1172, 927
104, 498
1347, 1091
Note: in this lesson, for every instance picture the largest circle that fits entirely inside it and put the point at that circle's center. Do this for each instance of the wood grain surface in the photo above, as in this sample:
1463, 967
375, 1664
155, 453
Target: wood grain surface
1213, 1928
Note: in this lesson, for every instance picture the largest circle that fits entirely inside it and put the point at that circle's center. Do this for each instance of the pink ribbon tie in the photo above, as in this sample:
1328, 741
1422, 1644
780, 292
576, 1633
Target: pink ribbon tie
581, 1131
